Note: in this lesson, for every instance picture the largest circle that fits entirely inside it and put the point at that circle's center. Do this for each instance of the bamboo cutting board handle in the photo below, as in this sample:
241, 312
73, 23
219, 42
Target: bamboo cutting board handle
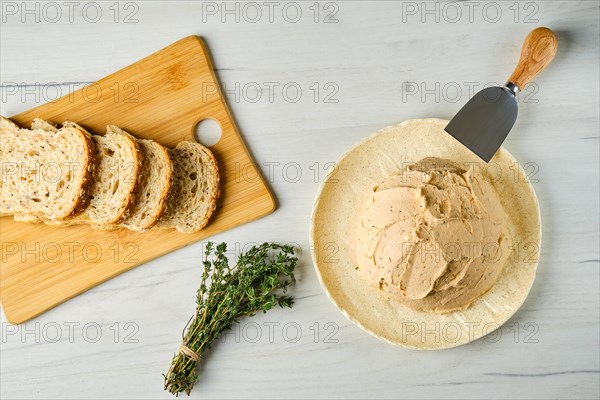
537, 52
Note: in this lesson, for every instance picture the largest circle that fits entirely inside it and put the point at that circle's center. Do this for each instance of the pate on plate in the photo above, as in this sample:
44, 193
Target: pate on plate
334, 229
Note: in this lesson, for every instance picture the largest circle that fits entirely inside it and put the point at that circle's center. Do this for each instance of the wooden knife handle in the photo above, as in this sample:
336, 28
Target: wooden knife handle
537, 52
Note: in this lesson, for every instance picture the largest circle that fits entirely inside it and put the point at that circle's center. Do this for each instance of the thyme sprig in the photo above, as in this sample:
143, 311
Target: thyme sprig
257, 282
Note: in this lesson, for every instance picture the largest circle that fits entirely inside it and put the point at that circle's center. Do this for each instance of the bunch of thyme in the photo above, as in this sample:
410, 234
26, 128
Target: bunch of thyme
227, 293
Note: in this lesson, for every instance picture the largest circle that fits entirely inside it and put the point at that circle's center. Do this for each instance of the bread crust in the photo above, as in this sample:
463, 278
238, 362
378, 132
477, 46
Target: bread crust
216, 189
89, 158
165, 193
132, 196
162, 198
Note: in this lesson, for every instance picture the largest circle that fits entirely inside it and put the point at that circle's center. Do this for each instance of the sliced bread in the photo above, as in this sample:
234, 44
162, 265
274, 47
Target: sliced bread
116, 178
45, 174
195, 189
155, 183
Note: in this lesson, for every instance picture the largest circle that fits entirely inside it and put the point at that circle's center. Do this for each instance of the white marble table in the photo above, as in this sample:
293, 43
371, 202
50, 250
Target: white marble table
360, 66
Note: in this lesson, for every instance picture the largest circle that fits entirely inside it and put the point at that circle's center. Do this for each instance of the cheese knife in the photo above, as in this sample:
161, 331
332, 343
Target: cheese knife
484, 122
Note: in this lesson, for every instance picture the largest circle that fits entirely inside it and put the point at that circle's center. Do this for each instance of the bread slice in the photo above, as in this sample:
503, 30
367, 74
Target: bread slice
155, 183
38, 123
45, 174
195, 189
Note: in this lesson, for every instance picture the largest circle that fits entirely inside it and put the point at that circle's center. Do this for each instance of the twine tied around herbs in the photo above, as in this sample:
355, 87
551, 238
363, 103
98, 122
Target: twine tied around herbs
183, 349
191, 354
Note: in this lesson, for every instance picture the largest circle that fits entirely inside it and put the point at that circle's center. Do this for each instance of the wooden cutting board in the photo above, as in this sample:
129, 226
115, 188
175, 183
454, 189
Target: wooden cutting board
162, 97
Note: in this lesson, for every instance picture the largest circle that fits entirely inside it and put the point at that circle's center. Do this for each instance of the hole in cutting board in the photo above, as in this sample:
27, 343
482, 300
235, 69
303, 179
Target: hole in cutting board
208, 132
